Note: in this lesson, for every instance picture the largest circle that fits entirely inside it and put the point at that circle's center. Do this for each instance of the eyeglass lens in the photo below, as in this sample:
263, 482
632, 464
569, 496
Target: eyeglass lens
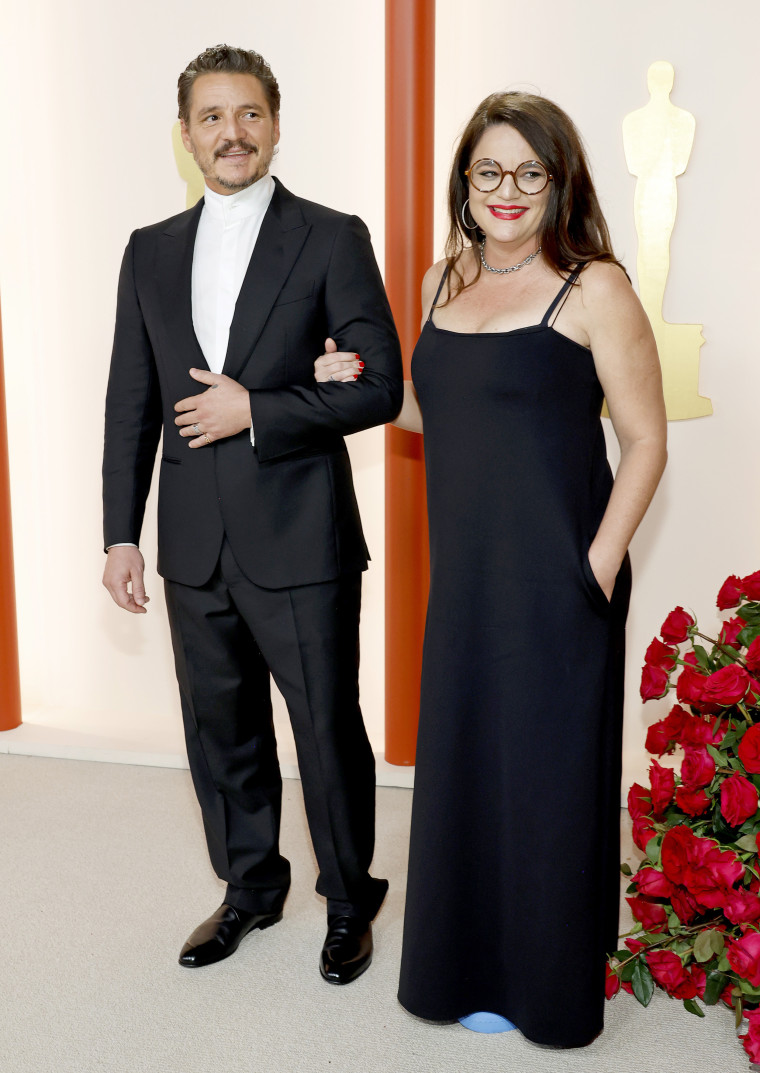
530, 177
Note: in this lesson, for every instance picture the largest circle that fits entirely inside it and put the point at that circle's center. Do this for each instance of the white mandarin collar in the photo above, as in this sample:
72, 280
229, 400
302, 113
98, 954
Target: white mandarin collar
253, 201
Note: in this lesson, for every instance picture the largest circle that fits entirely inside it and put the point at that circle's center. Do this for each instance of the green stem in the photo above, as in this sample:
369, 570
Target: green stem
666, 939
724, 648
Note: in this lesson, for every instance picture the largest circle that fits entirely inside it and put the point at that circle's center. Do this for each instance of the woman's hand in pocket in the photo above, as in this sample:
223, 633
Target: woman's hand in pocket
605, 570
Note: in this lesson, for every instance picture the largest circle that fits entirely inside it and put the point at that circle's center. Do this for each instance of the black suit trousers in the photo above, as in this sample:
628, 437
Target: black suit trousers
228, 636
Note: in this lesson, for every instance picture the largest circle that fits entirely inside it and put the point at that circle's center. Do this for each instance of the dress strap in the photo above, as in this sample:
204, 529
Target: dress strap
438, 292
563, 295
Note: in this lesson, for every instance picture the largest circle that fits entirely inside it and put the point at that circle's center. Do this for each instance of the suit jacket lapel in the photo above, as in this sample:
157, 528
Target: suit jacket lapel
174, 274
283, 233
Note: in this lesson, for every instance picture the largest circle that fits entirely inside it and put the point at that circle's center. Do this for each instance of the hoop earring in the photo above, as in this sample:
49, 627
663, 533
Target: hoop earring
468, 227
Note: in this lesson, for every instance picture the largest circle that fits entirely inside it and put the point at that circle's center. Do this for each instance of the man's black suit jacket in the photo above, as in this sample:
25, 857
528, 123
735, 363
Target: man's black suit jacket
287, 505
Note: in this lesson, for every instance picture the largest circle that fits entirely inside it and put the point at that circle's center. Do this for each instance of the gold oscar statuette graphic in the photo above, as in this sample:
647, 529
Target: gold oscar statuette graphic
658, 139
187, 168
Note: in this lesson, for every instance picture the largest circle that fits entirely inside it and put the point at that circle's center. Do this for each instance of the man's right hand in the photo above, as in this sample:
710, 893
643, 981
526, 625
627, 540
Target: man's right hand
124, 571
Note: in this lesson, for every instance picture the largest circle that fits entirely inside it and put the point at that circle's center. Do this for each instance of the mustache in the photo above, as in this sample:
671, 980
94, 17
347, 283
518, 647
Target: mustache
241, 143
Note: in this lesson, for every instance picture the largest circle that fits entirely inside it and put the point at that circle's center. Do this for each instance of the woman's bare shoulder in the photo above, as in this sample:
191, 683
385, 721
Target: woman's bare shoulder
603, 281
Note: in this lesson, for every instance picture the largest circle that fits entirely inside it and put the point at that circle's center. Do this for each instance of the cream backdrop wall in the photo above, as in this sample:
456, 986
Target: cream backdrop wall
88, 158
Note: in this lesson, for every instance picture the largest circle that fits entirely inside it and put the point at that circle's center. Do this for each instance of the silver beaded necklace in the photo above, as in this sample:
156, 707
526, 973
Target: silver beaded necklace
512, 268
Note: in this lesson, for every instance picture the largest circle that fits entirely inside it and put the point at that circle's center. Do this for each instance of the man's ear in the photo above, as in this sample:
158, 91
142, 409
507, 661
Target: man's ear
185, 136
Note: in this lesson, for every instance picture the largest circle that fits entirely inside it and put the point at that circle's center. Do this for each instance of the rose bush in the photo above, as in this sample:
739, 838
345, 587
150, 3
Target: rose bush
695, 897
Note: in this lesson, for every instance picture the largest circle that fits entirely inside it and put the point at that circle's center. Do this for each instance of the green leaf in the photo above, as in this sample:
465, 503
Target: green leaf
747, 843
626, 974
626, 869
674, 922
702, 658
715, 985
690, 1005
746, 636
642, 982
748, 990
718, 941
653, 849
631, 888
622, 955
703, 949
739, 1008
716, 755
750, 613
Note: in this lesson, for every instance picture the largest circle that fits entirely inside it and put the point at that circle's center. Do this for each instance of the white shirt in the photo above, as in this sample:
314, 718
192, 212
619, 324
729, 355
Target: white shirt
227, 232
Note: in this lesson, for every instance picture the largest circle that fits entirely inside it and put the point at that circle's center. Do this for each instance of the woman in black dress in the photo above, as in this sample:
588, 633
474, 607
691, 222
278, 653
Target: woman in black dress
529, 322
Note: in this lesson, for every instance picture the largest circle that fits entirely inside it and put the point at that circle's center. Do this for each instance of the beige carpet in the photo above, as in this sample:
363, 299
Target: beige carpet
103, 873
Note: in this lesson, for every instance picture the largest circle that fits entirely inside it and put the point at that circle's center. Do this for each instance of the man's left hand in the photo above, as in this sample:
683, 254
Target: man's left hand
222, 410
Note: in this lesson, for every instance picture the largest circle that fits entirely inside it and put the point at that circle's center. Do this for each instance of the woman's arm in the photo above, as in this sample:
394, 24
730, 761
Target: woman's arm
346, 367
628, 368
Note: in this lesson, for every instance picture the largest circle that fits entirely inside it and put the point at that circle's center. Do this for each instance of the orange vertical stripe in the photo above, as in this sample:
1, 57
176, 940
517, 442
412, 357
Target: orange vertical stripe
409, 104
10, 692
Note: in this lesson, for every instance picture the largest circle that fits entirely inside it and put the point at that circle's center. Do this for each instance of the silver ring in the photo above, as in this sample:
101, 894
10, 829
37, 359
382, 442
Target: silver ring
196, 430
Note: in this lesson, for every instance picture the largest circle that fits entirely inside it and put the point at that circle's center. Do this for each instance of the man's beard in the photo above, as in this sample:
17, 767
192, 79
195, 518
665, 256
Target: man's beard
209, 172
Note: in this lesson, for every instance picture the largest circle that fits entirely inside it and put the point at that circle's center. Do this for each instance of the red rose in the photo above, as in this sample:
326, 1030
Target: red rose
642, 832
639, 801
696, 730
697, 767
660, 655
692, 802
675, 627
650, 914
748, 749
727, 686
658, 740
744, 957
663, 782
653, 884
661, 736
674, 855
742, 907
699, 976
669, 973
738, 799
730, 592
729, 631
752, 659
684, 905
699, 864
634, 945
751, 1038
654, 682
712, 872
751, 586
611, 982
690, 686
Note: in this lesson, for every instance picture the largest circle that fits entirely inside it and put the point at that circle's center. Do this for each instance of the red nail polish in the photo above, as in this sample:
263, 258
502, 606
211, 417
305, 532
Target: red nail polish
355, 375
356, 356
361, 364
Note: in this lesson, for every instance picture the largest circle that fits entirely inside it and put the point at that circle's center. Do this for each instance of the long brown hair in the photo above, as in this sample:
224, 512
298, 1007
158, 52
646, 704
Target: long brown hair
573, 228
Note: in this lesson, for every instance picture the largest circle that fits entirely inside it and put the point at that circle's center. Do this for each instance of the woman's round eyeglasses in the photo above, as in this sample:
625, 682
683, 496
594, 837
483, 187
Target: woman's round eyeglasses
531, 177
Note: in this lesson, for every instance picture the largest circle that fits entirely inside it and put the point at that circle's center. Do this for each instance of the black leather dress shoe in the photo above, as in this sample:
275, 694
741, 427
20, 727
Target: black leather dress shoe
220, 935
347, 951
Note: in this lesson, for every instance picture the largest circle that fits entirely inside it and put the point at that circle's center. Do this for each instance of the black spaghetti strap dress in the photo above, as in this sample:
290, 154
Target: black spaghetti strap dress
512, 899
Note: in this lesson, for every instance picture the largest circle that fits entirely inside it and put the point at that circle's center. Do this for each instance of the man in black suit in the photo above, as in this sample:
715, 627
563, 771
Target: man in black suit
260, 542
